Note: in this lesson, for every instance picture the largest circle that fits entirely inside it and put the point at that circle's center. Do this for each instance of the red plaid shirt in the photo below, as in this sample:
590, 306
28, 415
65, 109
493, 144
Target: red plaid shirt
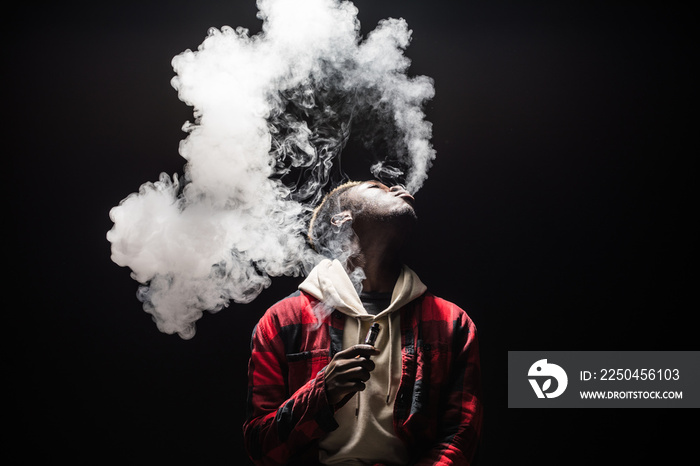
437, 412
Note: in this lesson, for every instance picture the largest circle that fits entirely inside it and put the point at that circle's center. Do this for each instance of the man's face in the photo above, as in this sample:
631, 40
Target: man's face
374, 200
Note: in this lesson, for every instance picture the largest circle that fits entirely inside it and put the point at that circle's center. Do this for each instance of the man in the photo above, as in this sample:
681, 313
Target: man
318, 395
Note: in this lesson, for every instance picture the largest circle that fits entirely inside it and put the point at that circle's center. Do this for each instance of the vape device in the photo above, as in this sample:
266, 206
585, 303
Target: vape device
371, 337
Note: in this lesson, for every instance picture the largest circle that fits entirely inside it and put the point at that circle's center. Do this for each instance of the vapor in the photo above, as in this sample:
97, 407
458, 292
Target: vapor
272, 113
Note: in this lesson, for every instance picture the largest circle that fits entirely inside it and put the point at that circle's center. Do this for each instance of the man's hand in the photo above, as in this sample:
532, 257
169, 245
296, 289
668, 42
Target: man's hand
348, 371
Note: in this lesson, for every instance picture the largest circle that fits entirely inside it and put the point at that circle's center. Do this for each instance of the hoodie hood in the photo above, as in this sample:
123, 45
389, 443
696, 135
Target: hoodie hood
329, 283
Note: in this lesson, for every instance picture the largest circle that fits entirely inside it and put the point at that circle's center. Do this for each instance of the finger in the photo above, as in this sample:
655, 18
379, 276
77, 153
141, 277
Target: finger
341, 388
358, 350
341, 393
367, 364
355, 373
353, 386
357, 362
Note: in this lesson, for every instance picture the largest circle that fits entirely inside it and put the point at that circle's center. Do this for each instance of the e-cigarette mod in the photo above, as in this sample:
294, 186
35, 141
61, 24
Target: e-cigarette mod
371, 337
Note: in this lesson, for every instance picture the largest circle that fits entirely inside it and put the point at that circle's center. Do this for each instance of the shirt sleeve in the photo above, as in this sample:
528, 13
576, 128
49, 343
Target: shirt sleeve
282, 426
459, 431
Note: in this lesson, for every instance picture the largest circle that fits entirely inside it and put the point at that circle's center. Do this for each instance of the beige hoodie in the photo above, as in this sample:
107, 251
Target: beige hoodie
366, 433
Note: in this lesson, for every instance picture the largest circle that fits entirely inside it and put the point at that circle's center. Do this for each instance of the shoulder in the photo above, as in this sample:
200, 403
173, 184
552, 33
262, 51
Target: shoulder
297, 308
436, 308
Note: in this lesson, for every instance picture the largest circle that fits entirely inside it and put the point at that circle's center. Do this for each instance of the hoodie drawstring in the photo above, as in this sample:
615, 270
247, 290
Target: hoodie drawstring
359, 340
391, 360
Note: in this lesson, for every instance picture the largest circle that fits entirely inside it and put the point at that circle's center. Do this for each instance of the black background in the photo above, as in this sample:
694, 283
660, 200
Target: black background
558, 213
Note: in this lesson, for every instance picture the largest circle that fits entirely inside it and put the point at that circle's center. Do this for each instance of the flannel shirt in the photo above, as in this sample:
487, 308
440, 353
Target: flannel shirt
437, 411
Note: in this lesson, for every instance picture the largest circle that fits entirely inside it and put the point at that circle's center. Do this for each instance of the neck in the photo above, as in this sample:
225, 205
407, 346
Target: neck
379, 246
382, 265
380, 278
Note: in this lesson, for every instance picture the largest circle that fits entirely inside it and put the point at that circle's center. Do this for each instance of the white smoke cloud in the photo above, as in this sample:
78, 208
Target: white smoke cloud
272, 113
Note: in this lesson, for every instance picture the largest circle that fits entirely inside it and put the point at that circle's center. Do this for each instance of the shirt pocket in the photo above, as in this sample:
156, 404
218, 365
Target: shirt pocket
302, 367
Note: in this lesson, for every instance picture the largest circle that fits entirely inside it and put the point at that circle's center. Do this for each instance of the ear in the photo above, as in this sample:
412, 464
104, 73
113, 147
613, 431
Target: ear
340, 218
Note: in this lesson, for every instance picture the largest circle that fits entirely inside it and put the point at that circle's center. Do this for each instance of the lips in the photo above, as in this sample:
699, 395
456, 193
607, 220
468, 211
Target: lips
405, 195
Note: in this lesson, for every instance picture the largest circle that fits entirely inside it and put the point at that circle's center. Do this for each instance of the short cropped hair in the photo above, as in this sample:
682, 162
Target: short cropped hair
320, 231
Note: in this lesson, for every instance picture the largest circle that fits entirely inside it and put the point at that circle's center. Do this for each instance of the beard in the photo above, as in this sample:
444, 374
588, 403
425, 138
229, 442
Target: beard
397, 222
